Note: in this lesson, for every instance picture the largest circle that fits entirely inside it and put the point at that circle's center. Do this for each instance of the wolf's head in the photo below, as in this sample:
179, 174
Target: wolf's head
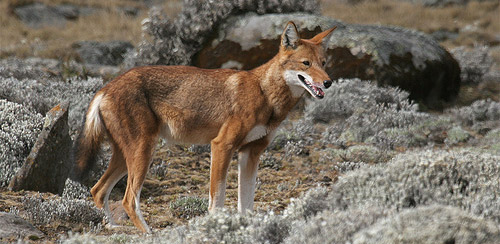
303, 62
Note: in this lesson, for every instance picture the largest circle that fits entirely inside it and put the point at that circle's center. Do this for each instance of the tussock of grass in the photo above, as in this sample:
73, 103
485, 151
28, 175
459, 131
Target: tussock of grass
189, 207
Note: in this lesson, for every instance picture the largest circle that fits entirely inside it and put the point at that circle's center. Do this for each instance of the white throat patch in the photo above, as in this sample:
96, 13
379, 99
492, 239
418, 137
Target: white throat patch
293, 82
256, 133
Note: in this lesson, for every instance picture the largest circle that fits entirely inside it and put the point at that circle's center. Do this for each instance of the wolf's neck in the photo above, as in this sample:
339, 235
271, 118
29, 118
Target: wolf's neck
274, 87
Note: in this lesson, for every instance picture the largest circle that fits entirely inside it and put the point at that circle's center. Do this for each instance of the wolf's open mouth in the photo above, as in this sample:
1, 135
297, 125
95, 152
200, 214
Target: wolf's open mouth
311, 88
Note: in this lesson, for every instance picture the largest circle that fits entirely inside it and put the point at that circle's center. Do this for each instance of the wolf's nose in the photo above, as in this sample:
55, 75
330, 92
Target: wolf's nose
327, 83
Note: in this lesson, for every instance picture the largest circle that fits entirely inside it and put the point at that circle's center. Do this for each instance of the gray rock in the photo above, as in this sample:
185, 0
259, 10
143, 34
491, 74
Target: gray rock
48, 163
130, 11
443, 35
103, 53
37, 15
393, 56
15, 227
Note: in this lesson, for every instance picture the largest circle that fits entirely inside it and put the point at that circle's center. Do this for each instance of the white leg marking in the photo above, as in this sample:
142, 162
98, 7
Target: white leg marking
219, 197
246, 182
106, 200
138, 210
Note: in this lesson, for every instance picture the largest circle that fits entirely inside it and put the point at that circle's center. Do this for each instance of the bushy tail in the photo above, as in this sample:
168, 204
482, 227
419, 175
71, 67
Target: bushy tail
89, 141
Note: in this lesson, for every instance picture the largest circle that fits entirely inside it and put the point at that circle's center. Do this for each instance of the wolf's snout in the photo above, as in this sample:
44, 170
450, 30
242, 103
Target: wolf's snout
327, 83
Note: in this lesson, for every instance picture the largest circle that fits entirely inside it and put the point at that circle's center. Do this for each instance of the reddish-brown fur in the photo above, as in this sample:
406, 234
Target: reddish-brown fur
191, 105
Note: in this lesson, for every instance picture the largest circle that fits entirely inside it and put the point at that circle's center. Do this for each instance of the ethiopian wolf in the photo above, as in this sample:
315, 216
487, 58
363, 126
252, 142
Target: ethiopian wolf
232, 110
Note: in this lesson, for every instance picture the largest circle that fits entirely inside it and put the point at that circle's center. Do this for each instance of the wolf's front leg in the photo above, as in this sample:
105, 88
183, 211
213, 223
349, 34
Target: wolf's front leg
248, 164
218, 172
222, 148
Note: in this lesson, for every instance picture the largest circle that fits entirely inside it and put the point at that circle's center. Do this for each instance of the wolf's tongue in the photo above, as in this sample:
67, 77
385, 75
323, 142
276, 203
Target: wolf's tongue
319, 92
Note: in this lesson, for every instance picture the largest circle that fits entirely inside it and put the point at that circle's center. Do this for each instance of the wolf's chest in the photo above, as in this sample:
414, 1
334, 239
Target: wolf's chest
256, 133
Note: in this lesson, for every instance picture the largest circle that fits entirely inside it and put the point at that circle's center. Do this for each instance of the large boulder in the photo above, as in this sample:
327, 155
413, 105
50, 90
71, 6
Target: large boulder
392, 56
48, 164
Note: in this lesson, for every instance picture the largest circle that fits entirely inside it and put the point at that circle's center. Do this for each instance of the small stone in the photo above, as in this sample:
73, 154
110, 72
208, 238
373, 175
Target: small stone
48, 163
15, 227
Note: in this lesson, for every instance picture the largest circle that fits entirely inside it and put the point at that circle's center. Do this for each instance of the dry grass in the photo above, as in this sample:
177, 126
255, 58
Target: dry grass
481, 18
108, 24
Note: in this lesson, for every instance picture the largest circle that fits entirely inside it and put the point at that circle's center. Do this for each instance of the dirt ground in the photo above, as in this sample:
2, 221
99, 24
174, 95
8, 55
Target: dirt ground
188, 175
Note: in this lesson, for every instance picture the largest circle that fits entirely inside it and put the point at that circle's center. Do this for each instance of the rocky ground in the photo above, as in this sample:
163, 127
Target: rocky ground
352, 167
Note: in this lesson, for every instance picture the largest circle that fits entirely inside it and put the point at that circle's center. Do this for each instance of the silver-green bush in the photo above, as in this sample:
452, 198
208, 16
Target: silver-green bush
474, 64
42, 211
370, 202
346, 96
429, 131
334, 226
189, 206
360, 110
29, 68
42, 96
460, 178
19, 129
356, 154
482, 111
430, 224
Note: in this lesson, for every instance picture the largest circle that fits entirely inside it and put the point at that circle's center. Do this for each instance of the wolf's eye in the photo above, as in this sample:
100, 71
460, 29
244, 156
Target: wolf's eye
306, 63
323, 63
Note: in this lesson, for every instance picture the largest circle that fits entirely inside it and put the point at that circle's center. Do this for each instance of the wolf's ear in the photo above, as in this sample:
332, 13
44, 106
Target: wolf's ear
319, 38
290, 37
